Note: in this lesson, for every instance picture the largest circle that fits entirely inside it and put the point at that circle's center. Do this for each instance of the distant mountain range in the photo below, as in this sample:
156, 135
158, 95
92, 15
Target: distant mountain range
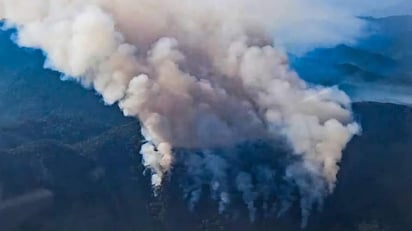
378, 68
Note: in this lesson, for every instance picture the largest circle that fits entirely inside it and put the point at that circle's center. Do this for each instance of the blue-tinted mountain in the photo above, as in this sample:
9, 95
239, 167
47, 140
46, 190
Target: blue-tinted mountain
378, 68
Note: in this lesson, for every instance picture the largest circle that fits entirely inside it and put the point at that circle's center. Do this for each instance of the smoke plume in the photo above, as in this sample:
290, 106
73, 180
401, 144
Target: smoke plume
204, 77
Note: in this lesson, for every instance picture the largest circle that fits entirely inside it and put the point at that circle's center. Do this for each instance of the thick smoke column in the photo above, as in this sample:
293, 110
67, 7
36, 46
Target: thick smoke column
199, 75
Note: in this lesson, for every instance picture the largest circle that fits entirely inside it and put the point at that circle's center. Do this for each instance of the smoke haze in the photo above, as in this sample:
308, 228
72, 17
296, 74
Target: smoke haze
203, 78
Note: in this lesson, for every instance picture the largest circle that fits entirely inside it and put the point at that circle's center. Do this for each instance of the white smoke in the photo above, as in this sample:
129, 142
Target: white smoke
204, 75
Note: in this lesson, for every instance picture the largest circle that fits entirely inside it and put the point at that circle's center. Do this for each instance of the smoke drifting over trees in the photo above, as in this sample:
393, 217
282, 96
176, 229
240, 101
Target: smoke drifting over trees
204, 78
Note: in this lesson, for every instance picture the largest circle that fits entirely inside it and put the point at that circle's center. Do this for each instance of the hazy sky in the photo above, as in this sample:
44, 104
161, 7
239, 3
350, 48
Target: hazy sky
376, 8
326, 23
